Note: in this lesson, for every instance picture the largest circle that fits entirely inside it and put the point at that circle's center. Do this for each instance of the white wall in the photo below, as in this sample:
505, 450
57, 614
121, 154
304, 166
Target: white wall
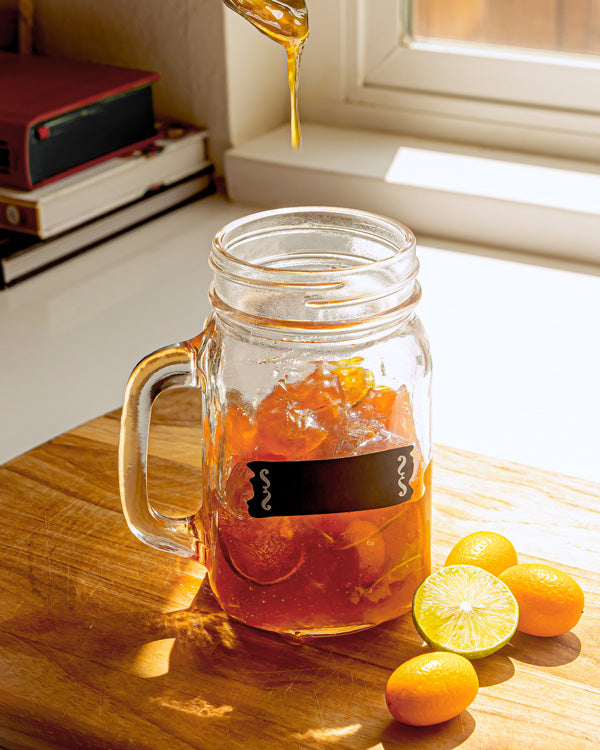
257, 81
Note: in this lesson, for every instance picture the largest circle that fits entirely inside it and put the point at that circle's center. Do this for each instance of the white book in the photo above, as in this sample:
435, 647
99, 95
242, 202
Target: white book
22, 256
59, 206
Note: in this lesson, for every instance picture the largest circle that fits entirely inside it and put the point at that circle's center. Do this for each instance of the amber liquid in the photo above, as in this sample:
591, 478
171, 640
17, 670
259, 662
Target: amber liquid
315, 574
287, 24
325, 574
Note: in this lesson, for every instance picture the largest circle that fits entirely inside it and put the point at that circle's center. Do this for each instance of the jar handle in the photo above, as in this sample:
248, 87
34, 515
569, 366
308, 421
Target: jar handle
170, 367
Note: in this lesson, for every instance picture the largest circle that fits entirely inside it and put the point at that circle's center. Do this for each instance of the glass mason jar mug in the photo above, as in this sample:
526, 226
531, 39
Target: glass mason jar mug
315, 373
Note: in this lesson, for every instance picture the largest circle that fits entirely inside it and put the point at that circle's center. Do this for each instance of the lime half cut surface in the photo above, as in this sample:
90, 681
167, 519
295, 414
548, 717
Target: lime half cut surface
466, 610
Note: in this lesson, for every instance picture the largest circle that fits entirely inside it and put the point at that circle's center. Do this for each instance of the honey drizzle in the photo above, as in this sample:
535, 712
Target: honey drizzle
287, 24
294, 53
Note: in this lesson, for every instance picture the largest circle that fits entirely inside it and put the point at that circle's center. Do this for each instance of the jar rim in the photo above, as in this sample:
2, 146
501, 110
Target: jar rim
398, 237
314, 267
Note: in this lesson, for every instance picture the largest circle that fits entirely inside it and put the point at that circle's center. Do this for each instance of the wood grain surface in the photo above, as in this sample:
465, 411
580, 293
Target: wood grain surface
105, 643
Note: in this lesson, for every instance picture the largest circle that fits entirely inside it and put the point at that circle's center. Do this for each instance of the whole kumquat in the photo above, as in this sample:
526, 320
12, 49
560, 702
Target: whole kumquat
431, 688
550, 601
484, 549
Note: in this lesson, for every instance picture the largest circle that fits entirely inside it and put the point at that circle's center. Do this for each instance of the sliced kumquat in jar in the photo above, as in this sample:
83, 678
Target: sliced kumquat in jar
319, 390
295, 418
401, 522
367, 540
266, 552
355, 381
377, 405
285, 428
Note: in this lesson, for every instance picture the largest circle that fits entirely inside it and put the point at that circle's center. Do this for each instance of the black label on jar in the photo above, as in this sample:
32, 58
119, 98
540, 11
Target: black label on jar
336, 485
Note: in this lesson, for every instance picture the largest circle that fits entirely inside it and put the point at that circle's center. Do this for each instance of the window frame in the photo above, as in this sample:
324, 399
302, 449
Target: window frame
361, 68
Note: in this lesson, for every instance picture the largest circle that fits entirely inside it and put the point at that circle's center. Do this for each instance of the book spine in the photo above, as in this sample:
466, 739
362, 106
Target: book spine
44, 151
56, 145
13, 150
21, 257
19, 217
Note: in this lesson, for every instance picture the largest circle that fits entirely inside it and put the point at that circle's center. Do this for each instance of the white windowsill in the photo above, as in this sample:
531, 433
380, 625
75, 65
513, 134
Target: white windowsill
529, 205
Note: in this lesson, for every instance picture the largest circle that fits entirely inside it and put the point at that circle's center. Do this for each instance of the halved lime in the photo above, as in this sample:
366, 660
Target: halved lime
466, 610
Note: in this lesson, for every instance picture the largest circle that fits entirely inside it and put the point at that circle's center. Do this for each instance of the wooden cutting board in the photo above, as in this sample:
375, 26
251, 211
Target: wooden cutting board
105, 643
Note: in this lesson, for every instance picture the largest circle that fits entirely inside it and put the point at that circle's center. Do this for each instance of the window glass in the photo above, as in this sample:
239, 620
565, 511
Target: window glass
552, 25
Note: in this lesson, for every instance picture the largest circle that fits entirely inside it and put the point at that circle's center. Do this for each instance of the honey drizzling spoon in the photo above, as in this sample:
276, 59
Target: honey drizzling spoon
287, 24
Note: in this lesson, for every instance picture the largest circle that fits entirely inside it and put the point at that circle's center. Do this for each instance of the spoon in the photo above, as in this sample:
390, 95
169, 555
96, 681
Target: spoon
283, 21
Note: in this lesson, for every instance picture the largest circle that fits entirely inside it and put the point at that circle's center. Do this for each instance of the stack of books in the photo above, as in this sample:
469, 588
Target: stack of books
82, 159
61, 219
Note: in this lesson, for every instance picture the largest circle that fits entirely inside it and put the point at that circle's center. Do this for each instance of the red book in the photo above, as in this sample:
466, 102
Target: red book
58, 116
